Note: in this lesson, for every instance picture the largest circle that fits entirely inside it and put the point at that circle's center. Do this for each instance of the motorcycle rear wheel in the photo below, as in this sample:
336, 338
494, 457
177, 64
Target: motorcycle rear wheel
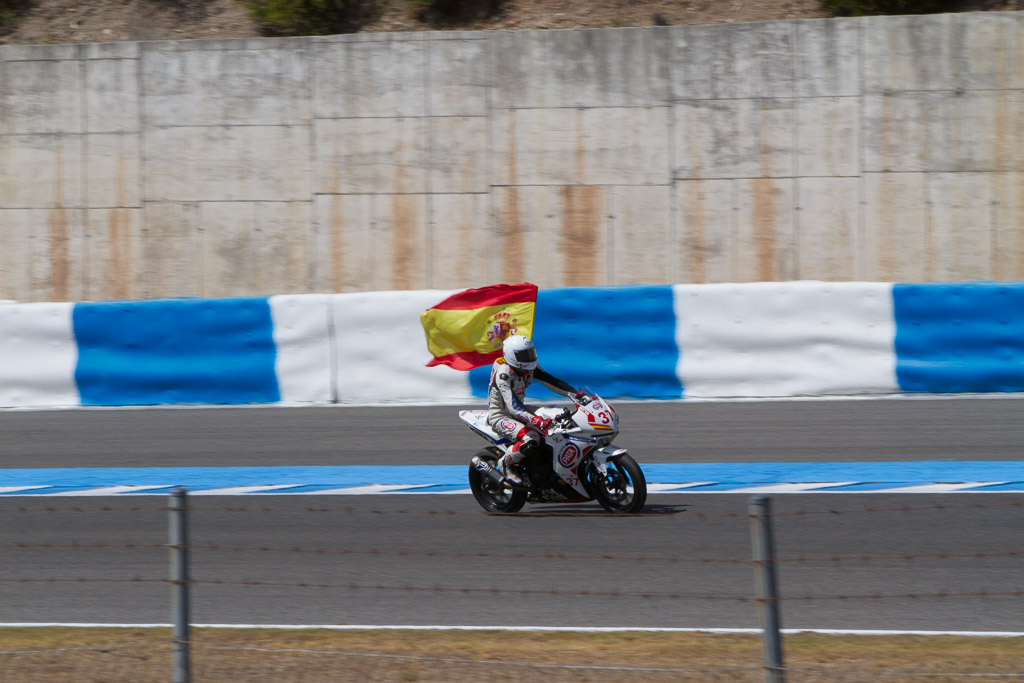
624, 490
491, 495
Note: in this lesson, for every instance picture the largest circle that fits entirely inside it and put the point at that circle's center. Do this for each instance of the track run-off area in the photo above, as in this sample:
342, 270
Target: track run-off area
908, 518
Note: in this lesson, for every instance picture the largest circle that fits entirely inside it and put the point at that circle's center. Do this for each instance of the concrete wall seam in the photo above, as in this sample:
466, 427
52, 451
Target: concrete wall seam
862, 149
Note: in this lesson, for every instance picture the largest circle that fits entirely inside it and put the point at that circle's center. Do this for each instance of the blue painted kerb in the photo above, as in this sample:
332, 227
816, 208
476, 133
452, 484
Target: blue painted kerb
902, 473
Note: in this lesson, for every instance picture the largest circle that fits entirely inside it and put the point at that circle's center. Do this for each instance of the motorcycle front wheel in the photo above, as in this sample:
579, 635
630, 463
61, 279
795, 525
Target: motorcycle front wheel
624, 490
491, 495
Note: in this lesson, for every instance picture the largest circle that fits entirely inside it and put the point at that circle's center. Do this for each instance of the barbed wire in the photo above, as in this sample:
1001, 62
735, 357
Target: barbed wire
900, 508
592, 513
898, 596
908, 557
916, 674
613, 594
535, 512
616, 558
82, 579
98, 648
373, 552
460, 660
355, 586
99, 508
473, 590
75, 545
565, 513
519, 591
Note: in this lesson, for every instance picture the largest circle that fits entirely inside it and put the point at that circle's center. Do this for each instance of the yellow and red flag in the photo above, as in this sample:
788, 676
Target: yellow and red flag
466, 330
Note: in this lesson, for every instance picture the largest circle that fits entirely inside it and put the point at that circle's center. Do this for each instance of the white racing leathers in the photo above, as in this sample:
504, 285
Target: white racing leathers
507, 412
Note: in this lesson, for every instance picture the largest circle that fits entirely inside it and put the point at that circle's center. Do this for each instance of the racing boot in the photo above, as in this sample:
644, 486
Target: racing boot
510, 464
511, 471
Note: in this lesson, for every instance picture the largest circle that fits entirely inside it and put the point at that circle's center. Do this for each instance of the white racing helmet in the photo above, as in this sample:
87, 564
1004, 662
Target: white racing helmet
519, 352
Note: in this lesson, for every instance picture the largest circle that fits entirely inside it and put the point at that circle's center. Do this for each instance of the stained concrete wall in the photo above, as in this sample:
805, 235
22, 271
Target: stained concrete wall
882, 148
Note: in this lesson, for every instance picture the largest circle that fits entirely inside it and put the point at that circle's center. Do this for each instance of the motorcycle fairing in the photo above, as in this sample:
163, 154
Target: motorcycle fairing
606, 453
560, 483
477, 421
569, 453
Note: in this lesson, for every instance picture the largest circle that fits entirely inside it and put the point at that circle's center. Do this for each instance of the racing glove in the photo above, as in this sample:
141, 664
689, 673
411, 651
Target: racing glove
541, 423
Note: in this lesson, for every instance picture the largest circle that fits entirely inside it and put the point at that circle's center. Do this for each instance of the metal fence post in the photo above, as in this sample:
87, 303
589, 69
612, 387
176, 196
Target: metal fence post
179, 587
767, 587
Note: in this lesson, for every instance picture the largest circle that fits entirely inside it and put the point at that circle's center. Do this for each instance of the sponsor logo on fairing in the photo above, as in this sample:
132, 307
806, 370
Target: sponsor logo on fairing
568, 455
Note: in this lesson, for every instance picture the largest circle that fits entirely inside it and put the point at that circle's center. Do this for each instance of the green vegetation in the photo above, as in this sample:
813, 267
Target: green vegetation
453, 12
324, 17
313, 17
9, 9
858, 8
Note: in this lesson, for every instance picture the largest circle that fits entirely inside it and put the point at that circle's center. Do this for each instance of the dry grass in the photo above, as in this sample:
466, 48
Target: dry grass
139, 655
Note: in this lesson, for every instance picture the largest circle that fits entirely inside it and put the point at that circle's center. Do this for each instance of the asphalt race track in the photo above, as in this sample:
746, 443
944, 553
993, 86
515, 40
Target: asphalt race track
887, 430
439, 560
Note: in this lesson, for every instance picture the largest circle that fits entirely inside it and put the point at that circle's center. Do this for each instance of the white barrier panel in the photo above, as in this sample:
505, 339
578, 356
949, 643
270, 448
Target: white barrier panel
785, 339
381, 352
38, 355
302, 338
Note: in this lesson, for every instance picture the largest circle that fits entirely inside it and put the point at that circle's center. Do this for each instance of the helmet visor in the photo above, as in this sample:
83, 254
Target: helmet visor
526, 355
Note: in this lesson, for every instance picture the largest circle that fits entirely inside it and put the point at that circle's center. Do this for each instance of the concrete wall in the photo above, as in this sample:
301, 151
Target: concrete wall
882, 148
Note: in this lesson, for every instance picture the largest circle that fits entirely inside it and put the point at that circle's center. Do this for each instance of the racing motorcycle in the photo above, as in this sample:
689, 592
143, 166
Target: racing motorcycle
576, 462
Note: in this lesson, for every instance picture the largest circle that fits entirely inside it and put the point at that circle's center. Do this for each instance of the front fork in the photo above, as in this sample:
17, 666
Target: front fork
602, 456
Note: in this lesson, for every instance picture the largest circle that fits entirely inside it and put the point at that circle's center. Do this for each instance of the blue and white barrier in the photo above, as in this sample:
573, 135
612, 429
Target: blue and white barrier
663, 342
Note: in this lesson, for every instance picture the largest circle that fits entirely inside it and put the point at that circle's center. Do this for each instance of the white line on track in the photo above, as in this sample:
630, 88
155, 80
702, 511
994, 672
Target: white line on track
576, 629
368, 489
242, 490
790, 488
105, 491
673, 488
943, 488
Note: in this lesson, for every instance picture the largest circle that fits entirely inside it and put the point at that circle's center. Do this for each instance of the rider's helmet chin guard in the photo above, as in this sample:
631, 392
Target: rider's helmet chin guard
519, 353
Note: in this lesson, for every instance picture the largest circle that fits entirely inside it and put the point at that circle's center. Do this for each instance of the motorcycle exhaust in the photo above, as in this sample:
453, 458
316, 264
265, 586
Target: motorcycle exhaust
485, 467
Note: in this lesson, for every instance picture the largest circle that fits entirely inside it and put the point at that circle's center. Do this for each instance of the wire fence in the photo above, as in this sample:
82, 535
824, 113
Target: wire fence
187, 556
354, 510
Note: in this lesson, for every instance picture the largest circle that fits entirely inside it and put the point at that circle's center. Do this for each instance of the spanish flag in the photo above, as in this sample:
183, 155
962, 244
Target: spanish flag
466, 330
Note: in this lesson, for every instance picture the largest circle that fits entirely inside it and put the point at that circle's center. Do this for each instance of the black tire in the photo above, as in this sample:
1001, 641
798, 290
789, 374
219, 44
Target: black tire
624, 491
492, 496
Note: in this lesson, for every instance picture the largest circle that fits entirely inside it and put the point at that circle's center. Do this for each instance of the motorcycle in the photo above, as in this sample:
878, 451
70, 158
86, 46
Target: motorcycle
576, 462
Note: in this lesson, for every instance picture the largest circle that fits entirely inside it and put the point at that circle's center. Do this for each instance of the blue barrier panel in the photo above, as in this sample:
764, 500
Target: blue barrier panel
966, 337
619, 341
175, 351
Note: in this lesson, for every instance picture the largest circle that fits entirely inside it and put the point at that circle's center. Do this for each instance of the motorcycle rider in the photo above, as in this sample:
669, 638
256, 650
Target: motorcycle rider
507, 412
